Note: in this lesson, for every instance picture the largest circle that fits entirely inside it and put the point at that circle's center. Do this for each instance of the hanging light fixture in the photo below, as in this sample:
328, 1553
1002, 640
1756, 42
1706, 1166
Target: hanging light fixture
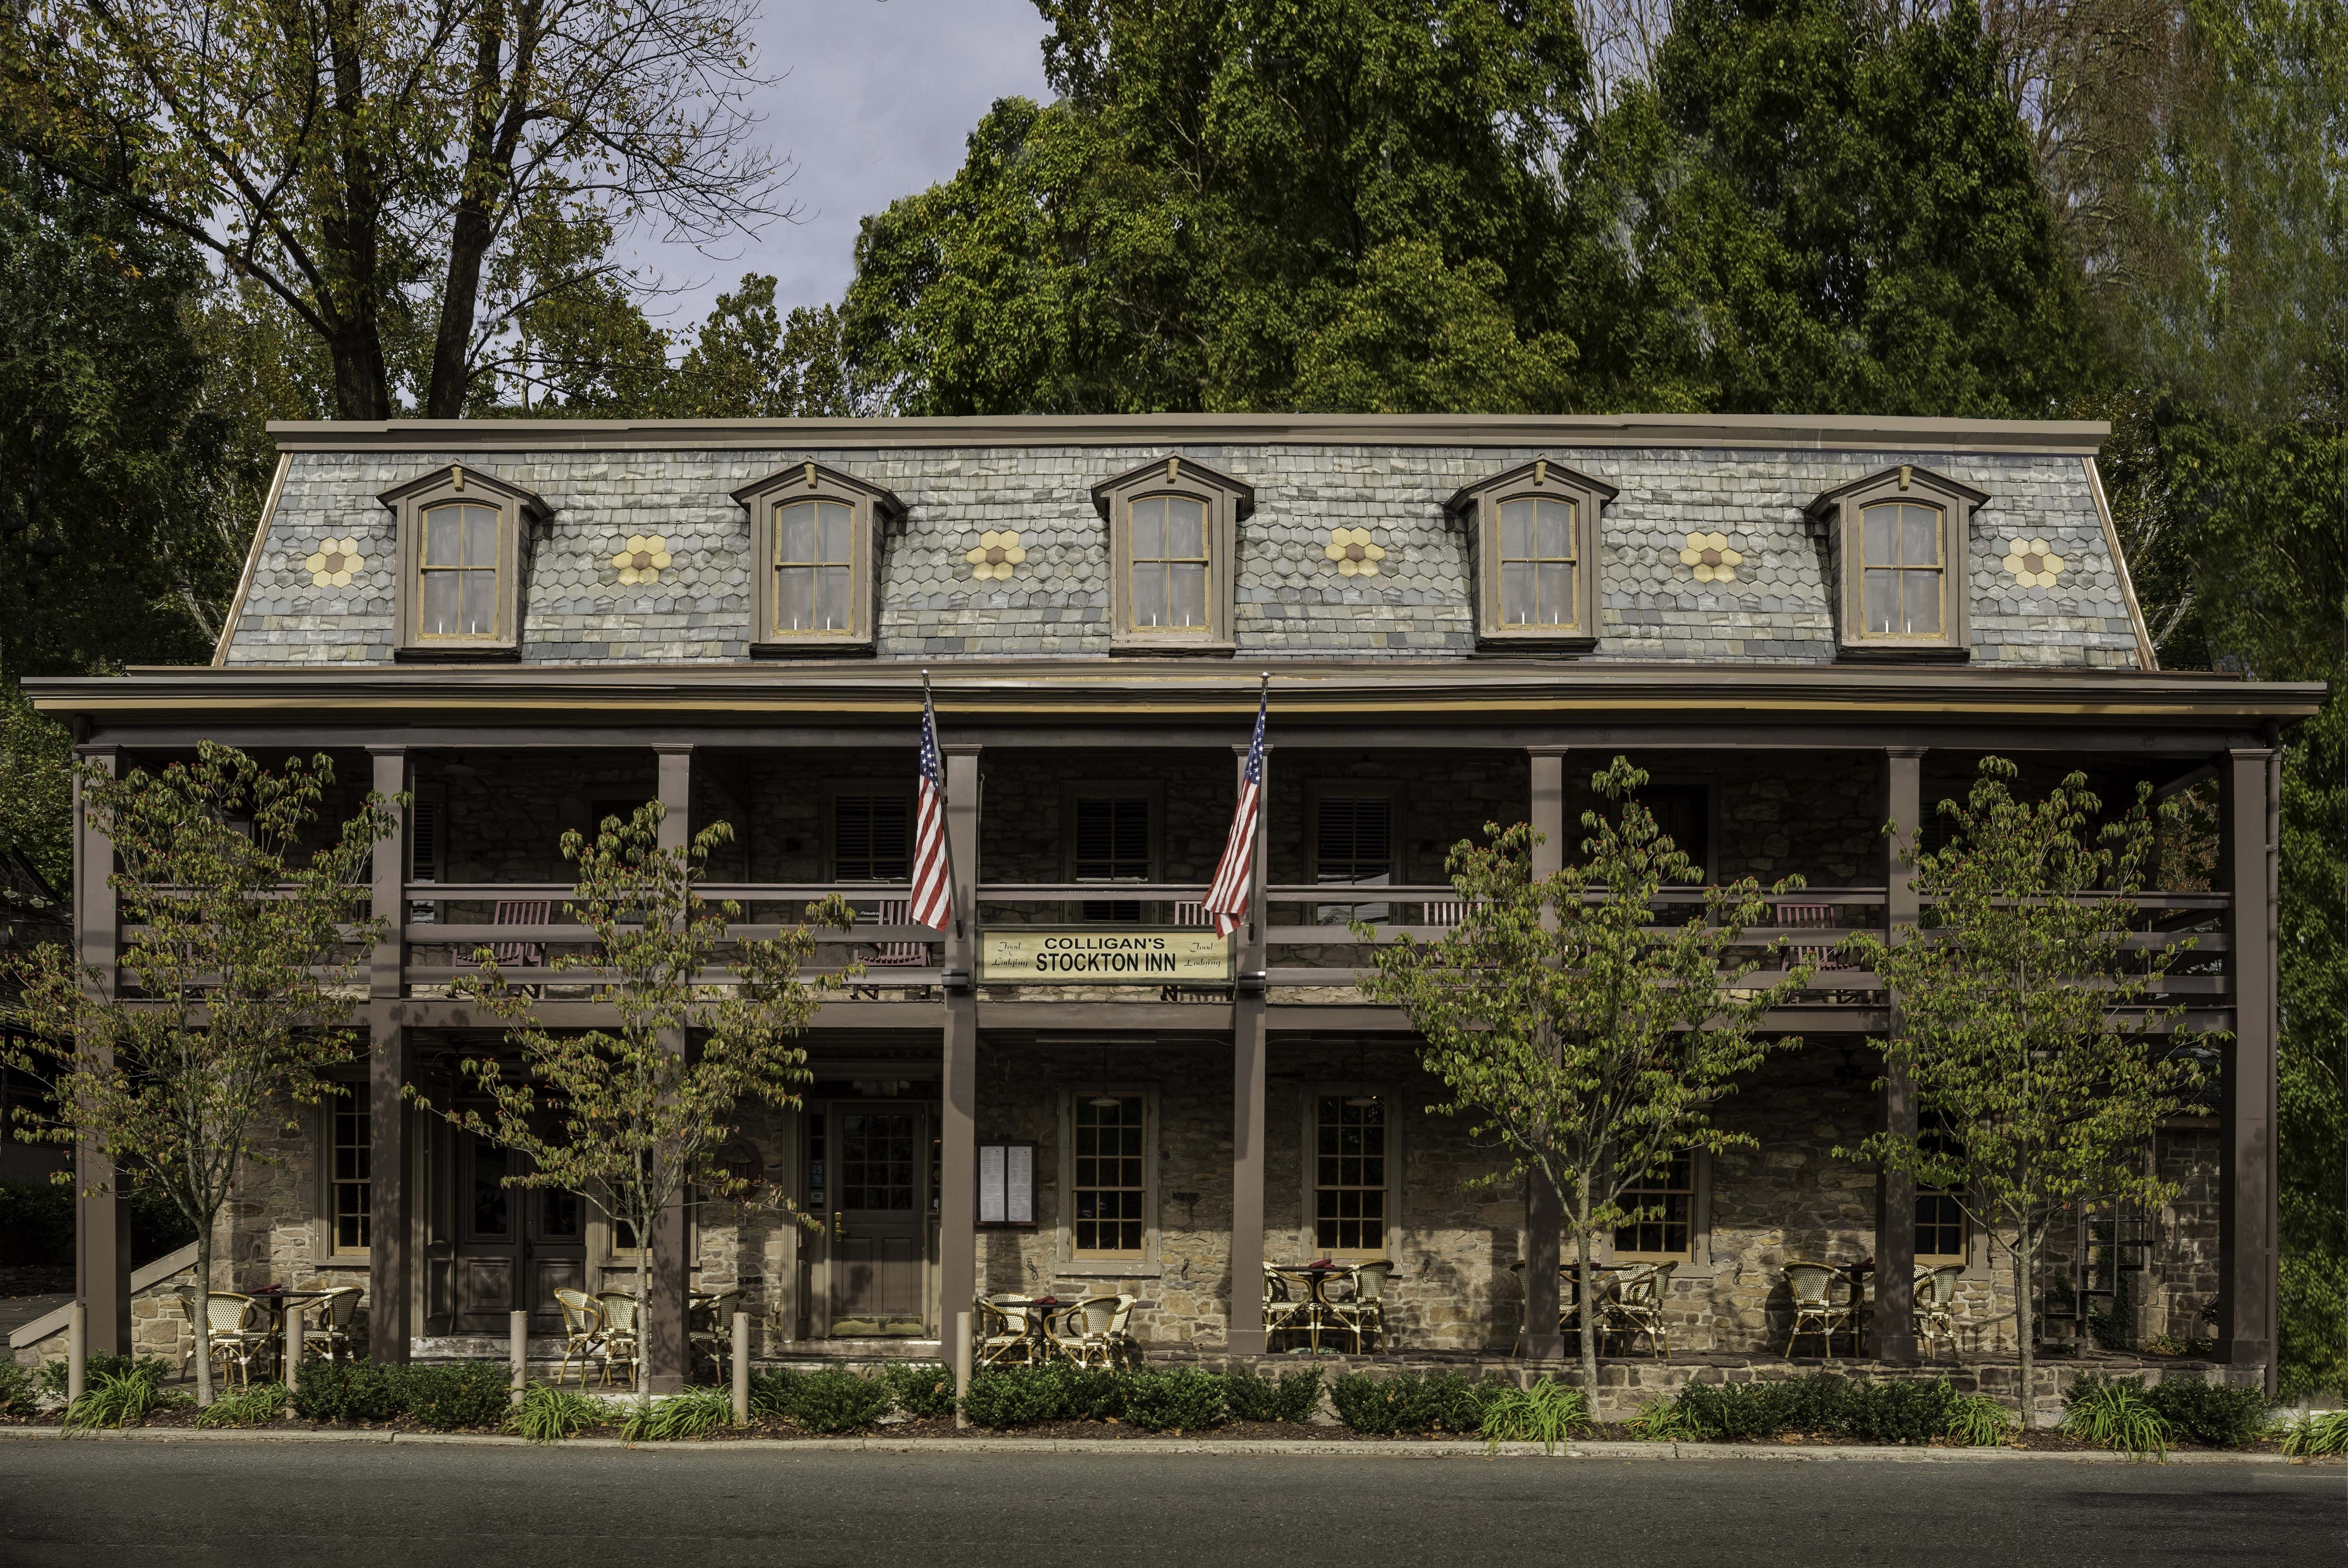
1104, 1098
1360, 1098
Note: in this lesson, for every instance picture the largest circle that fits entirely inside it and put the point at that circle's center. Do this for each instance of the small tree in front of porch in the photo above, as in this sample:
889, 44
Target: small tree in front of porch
1588, 1039
634, 1118
2039, 1068
244, 955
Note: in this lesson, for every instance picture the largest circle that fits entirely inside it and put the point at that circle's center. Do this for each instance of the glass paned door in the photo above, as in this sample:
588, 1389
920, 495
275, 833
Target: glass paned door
879, 1177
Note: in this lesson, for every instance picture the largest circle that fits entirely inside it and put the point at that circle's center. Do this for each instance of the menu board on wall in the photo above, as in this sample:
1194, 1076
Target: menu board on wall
1006, 1183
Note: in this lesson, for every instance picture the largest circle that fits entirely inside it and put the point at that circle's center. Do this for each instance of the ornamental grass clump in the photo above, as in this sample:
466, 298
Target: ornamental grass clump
1665, 1419
547, 1413
1978, 1421
2114, 1413
1294, 1397
692, 1413
121, 1399
1546, 1412
247, 1406
2318, 1434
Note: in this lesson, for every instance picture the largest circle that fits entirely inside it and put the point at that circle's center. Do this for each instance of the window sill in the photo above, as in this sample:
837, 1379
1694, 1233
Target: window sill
1107, 1269
1903, 653
1511, 642
425, 653
1174, 647
816, 648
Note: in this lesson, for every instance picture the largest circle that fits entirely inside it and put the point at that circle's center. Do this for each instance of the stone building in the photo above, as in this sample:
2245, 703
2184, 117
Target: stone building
1803, 629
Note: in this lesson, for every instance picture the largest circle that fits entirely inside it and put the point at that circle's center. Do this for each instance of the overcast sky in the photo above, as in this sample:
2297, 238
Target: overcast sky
874, 101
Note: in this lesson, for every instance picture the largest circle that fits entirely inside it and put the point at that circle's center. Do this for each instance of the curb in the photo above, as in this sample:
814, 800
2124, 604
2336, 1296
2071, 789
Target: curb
1142, 1447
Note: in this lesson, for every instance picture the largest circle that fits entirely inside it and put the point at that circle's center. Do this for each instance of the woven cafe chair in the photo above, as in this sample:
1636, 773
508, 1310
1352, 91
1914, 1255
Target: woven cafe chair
1635, 1307
583, 1331
1815, 1309
710, 1327
327, 1325
1824, 958
1283, 1309
1936, 1303
1092, 1333
1363, 1312
1005, 1334
1569, 1305
238, 1327
618, 1345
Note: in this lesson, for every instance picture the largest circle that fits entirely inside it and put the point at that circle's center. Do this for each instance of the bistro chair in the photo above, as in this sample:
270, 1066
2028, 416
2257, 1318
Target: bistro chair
1823, 956
1282, 1310
1635, 1307
710, 1327
515, 954
1814, 1304
239, 1330
618, 1344
1936, 1303
1092, 1333
1006, 1332
1569, 1305
892, 954
326, 1329
1364, 1312
583, 1331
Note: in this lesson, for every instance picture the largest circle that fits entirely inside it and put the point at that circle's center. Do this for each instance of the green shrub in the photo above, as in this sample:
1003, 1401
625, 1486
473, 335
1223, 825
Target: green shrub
1030, 1396
924, 1390
1721, 1413
1252, 1397
17, 1388
2114, 1413
692, 1413
55, 1375
248, 1407
835, 1399
1897, 1412
1173, 1398
1413, 1402
458, 1394
1907, 1411
1545, 1411
775, 1393
349, 1391
2211, 1413
547, 1413
2318, 1434
1665, 1419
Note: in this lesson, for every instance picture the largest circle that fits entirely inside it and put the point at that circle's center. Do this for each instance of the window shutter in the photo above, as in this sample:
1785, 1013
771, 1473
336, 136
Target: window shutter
1356, 838
424, 841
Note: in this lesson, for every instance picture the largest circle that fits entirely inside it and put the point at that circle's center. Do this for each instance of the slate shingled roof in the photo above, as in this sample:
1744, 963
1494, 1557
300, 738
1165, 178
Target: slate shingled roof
1291, 599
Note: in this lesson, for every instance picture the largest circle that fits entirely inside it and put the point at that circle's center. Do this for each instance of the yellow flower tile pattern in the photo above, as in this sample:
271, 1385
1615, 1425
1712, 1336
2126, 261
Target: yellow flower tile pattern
1355, 554
331, 564
642, 559
1711, 557
2033, 563
996, 554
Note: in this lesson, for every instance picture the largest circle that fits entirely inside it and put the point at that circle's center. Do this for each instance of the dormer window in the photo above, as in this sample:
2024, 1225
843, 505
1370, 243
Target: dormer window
1898, 538
815, 540
462, 534
1173, 533
1535, 533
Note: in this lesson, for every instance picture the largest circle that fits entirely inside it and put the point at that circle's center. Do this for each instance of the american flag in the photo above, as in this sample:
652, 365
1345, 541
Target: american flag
933, 901
1227, 900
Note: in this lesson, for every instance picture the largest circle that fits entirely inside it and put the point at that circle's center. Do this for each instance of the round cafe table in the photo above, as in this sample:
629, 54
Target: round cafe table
1315, 1276
276, 1298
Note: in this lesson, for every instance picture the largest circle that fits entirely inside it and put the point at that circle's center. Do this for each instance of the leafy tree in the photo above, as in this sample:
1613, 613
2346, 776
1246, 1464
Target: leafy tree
631, 1118
1591, 1042
749, 361
247, 935
36, 789
2023, 1018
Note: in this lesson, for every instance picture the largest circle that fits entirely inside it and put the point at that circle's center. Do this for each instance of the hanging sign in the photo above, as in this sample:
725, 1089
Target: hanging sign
1102, 956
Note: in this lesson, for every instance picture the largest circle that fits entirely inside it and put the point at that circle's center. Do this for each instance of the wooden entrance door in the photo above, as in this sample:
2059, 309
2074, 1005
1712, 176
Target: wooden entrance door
516, 1246
878, 1208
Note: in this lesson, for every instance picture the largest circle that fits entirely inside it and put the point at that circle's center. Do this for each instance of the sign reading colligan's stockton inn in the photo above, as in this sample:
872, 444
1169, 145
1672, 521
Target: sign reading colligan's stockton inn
1088, 955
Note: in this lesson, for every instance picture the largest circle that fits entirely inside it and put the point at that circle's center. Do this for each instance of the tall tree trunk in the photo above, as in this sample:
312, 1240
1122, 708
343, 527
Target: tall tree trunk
643, 1336
1589, 1304
351, 237
488, 170
2026, 1323
200, 1315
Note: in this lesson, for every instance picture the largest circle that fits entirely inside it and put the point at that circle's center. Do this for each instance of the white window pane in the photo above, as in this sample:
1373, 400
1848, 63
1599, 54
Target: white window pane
480, 537
1516, 530
1556, 594
1150, 530
795, 532
1881, 591
1516, 595
480, 614
1556, 525
1876, 524
1186, 529
440, 603
1920, 593
1186, 591
1149, 594
444, 537
831, 599
1919, 535
795, 599
832, 524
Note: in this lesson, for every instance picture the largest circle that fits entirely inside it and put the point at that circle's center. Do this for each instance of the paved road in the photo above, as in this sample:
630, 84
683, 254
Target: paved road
251, 1505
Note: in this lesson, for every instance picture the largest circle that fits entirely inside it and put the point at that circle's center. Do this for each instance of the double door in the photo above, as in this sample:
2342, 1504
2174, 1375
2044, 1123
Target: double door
516, 1246
877, 1222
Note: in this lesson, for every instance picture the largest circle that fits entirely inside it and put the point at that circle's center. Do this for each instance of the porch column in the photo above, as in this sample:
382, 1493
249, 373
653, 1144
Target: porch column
1544, 1206
1244, 1336
101, 1220
665, 1349
391, 1278
1895, 1190
2246, 1215
958, 1131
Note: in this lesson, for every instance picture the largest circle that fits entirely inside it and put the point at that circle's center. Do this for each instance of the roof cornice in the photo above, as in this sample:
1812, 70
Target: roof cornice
2081, 437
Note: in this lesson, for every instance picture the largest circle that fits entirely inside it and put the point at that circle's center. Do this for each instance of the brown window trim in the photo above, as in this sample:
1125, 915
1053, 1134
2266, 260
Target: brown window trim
1840, 509
1477, 506
519, 511
1308, 1231
872, 510
1229, 503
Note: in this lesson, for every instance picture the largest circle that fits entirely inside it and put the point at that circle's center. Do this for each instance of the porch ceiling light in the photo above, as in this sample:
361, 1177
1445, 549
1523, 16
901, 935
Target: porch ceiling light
1355, 554
331, 564
2032, 563
1710, 556
641, 558
996, 553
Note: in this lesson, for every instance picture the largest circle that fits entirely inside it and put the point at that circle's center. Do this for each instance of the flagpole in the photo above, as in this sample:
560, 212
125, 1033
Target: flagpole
945, 804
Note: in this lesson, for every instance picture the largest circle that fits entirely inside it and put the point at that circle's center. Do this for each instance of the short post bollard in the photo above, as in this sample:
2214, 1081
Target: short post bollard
962, 1368
741, 1368
293, 1343
77, 1351
520, 1327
